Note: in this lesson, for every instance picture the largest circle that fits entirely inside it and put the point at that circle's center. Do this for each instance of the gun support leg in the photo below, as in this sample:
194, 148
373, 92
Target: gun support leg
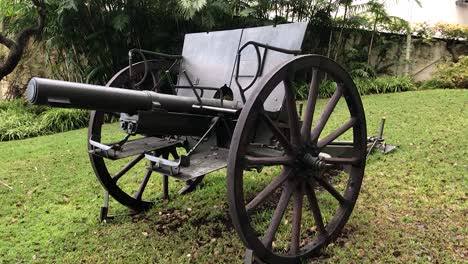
165, 187
105, 208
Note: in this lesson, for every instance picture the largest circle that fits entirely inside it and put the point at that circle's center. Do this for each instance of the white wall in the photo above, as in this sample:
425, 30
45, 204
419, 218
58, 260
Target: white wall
431, 11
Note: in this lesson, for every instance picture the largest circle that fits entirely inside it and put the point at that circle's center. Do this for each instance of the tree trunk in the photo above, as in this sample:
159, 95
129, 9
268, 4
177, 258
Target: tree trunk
16, 47
408, 52
331, 33
341, 32
449, 45
374, 29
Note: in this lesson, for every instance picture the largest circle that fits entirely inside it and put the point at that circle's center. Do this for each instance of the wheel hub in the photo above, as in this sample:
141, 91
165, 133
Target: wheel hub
308, 161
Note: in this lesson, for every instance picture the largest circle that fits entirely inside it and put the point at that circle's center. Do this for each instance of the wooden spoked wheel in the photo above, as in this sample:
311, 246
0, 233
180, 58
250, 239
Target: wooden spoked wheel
130, 181
304, 189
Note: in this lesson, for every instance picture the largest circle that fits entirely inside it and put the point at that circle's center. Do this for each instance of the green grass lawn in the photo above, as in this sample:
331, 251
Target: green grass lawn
412, 208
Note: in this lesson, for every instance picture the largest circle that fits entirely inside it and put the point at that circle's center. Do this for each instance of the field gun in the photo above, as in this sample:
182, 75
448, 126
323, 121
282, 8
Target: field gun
231, 100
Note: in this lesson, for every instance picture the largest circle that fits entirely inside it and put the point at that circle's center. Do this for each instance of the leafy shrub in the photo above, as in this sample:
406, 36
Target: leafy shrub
61, 120
302, 90
361, 70
383, 84
18, 125
451, 75
19, 120
327, 88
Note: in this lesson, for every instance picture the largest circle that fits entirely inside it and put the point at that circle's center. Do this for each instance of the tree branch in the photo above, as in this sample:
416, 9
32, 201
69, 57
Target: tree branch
16, 47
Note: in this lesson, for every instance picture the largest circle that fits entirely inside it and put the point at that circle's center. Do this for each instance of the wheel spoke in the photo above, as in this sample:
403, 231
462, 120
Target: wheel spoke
268, 161
127, 167
268, 190
277, 132
310, 107
314, 206
327, 186
142, 188
277, 215
292, 112
327, 112
298, 196
335, 134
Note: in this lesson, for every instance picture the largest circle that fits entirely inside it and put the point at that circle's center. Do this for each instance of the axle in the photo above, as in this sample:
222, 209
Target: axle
109, 99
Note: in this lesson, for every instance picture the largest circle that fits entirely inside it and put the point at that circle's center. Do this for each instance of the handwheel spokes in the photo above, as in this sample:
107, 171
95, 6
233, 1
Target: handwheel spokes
127, 167
293, 117
278, 215
310, 107
335, 134
322, 121
269, 190
298, 196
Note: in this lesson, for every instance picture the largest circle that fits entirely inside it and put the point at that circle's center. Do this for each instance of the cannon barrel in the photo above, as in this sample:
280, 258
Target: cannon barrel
109, 99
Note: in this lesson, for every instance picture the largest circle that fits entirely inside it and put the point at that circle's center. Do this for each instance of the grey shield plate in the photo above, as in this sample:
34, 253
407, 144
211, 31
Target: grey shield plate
209, 59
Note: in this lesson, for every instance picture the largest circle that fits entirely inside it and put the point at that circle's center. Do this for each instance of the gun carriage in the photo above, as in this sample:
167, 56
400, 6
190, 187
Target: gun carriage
229, 101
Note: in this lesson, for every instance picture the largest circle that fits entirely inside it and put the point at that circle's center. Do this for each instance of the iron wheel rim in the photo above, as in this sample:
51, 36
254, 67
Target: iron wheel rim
98, 163
235, 170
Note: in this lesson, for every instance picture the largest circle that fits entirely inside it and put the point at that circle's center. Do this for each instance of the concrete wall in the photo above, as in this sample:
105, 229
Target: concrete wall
425, 56
425, 53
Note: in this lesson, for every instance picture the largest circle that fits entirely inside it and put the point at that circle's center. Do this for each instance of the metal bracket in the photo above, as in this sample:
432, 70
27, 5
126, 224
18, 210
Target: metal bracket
104, 215
164, 165
104, 212
379, 142
99, 145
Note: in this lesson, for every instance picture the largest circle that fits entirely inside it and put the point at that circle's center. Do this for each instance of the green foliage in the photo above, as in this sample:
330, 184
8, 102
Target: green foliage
379, 85
16, 15
384, 84
18, 125
61, 120
451, 75
326, 89
20, 120
88, 40
190, 7
452, 31
21, 106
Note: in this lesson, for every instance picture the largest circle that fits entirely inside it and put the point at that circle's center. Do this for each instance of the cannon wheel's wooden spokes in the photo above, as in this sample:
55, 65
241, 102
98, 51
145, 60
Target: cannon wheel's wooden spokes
274, 221
112, 182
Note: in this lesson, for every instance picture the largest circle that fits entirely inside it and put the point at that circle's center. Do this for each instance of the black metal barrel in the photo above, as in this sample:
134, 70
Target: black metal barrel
94, 97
